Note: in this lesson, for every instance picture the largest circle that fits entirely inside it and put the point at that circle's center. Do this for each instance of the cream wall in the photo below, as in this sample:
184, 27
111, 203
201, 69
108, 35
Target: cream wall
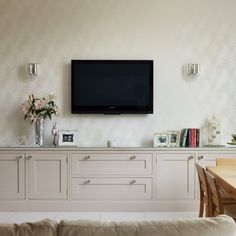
171, 32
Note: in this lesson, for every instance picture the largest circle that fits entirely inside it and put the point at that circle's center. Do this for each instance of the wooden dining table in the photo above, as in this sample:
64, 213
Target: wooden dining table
225, 177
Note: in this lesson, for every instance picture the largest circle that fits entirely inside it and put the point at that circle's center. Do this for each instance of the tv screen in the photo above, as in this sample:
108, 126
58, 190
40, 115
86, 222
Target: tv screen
112, 86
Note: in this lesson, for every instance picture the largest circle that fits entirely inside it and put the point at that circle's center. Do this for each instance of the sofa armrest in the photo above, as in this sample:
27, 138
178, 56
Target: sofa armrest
40, 228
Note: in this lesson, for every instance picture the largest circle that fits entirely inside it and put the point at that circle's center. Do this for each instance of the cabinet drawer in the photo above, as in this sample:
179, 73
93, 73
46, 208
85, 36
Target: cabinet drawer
112, 188
211, 157
111, 163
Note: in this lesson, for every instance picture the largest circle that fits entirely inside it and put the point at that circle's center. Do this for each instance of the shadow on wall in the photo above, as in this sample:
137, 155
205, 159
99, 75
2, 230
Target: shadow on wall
19, 127
204, 133
147, 143
66, 96
21, 74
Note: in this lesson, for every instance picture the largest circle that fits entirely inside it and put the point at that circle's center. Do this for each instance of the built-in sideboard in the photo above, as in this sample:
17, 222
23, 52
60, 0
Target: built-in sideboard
103, 179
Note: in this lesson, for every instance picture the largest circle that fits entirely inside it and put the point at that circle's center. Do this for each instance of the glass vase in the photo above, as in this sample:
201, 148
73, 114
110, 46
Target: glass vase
39, 132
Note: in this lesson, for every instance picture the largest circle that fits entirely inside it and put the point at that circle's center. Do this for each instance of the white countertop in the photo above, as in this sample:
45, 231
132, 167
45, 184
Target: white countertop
48, 148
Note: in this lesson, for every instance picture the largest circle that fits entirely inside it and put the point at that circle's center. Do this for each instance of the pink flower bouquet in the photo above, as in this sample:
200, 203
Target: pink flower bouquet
36, 108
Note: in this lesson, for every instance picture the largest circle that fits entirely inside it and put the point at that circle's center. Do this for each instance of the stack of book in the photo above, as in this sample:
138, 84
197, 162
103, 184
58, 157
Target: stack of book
189, 137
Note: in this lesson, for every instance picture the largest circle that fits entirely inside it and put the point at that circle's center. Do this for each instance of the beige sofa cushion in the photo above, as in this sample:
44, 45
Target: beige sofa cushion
41, 228
219, 226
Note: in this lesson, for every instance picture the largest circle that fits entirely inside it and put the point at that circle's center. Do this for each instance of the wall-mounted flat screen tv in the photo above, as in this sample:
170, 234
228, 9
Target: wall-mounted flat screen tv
112, 86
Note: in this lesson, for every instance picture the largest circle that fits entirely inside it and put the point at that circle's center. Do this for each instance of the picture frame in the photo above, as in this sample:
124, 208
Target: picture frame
161, 140
173, 138
68, 138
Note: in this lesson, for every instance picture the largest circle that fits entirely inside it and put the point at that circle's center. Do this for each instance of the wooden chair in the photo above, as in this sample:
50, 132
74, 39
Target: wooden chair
204, 191
226, 162
215, 204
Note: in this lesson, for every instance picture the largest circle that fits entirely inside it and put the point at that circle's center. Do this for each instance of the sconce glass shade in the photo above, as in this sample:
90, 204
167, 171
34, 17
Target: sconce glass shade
192, 70
32, 70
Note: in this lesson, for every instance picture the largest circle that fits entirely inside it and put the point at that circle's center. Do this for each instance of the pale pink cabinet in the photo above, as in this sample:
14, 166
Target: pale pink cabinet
84, 179
47, 175
175, 176
12, 176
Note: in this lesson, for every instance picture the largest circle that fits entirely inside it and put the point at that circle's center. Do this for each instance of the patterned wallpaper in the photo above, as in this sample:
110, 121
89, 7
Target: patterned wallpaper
171, 32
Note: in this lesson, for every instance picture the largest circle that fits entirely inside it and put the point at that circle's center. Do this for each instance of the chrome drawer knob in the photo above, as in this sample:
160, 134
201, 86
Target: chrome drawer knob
190, 157
200, 157
132, 158
87, 157
133, 181
87, 182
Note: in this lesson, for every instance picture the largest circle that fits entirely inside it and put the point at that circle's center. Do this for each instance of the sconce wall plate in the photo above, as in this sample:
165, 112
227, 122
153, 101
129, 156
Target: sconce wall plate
32, 70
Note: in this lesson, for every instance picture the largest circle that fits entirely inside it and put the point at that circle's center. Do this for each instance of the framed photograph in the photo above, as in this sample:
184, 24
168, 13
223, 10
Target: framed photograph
173, 138
161, 140
68, 138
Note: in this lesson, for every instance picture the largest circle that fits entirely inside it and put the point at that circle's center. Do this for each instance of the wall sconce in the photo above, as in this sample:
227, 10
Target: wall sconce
32, 70
192, 70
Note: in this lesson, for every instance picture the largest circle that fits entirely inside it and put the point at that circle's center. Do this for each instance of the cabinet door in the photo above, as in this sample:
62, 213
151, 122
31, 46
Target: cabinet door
175, 176
12, 176
112, 188
47, 175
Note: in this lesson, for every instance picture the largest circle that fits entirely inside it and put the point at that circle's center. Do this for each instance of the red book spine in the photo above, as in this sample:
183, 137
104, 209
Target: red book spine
193, 137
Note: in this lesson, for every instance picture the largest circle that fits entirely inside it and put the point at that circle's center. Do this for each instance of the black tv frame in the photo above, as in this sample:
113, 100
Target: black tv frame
118, 109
